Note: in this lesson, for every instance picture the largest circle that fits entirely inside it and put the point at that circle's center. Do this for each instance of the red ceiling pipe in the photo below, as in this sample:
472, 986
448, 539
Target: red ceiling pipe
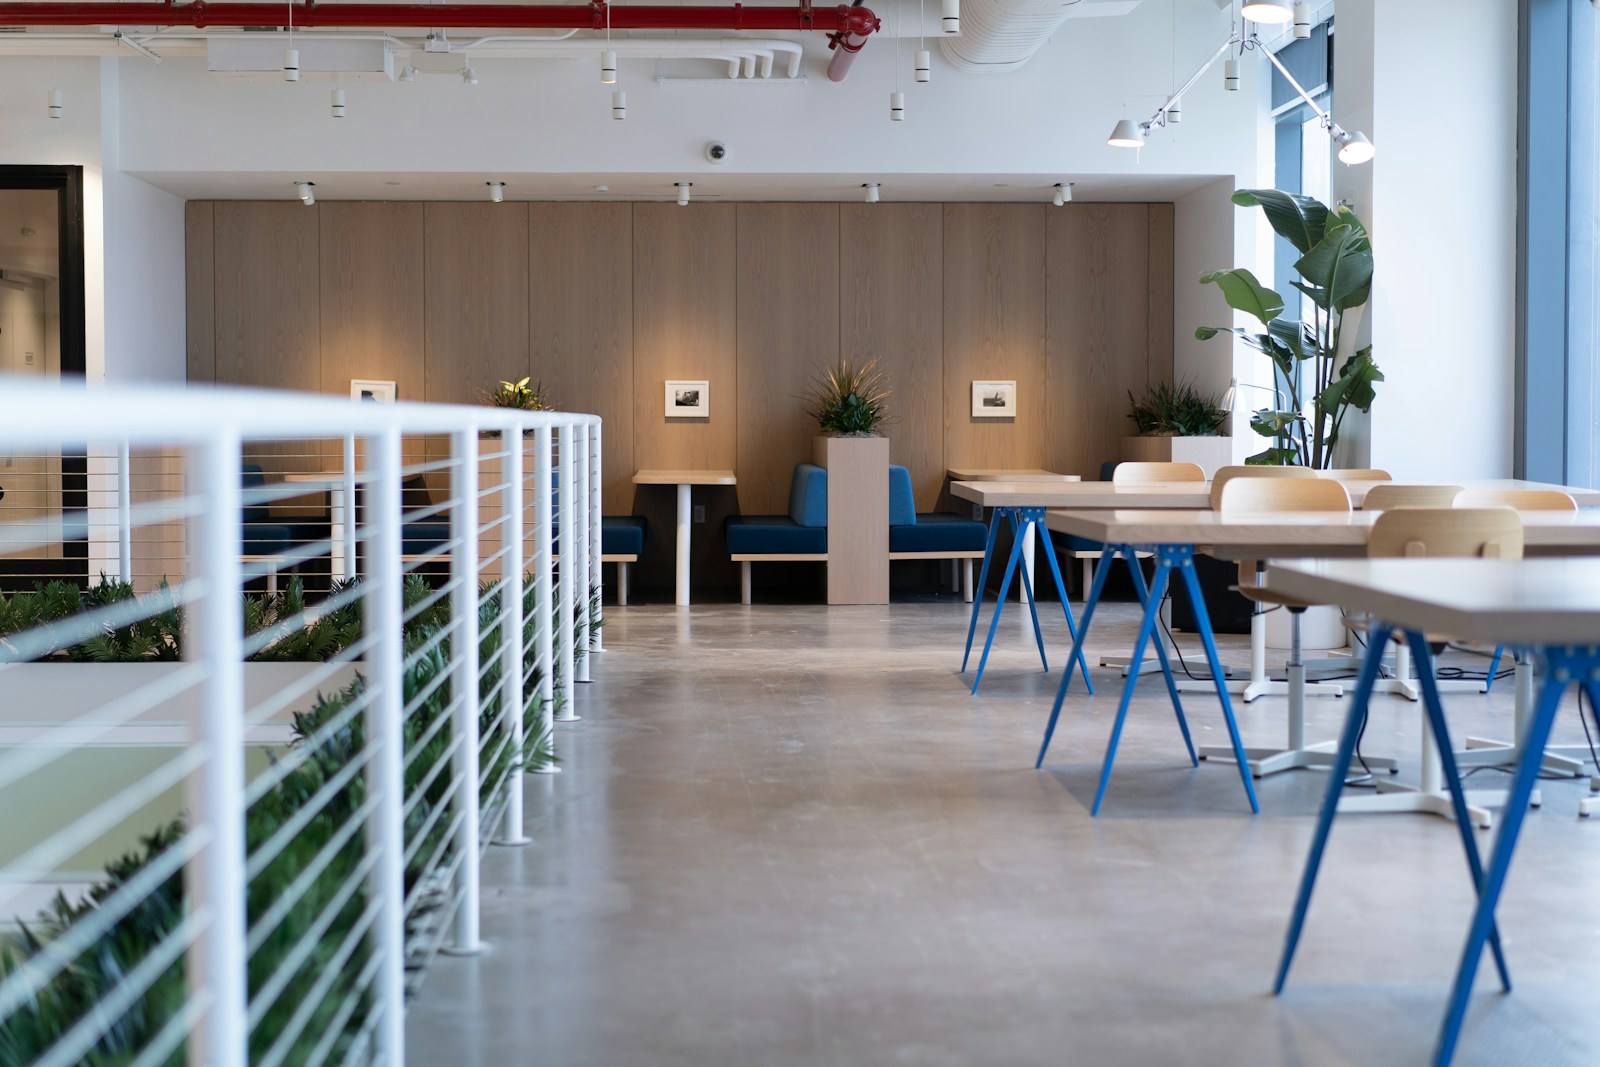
857, 22
845, 45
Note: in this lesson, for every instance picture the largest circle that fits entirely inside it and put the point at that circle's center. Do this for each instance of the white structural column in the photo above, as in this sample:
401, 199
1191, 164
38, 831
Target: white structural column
216, 877
1029, 545
385, 829
595, 485
464, 684
567, 588
543, 594
125, 512
513, 700
341, 512
685, 513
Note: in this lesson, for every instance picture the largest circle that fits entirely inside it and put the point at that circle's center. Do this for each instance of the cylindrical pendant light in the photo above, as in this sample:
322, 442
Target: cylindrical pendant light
683, 192
1230, 75
619, 104
1302, 20
53, 103
924, 66
291, 64
608, 67
336, 104
897, 107
497, 192
950, 21
871, 188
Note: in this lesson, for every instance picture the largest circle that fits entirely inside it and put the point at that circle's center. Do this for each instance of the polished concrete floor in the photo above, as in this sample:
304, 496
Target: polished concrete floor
788, 835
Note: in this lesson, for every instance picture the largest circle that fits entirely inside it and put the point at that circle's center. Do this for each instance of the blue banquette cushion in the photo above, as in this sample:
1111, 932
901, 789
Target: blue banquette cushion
808, 496
622, 535
939, 531
902, 504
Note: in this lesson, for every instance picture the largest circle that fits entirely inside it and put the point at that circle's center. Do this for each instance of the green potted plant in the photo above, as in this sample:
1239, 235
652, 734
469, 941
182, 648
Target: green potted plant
1335, 268
850, 400
1178, 423
850, 403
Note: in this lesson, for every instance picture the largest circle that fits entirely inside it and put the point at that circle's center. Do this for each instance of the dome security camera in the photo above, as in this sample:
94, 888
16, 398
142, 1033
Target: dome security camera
716, 152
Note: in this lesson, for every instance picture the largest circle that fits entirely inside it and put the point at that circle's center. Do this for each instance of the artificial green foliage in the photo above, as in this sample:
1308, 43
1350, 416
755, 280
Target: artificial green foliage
850, 400
327, 742
1335, 268
521, 396
1177, 411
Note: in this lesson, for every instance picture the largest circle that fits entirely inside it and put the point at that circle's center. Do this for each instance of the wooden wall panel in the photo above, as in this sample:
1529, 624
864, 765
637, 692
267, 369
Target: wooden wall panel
994, 327
1160, 292
788, 330
475, 281
684, 327
580, 301
891, 282
1100, 341
200, 283
267, 295
372, 296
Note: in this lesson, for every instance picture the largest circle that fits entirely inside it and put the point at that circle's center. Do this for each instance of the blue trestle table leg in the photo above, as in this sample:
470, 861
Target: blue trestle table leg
1132, 557
1494, 667
1066, 608
1021, 519
1182, 558
994, 623
1146, 624
983, 584
1077, 649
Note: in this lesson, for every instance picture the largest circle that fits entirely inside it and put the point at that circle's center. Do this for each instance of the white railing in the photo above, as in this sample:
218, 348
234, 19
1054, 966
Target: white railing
260, 766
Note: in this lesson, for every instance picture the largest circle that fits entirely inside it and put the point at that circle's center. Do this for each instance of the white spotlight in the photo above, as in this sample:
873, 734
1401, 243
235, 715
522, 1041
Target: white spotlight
305, 191
872, 191
897, 107
408, 73
497, 192
337, 103
1126, 134
1230, 75
1063, 194
683, 192
1302, 20
924, 66
1354, 148
608, 67
53, 103
1267, 12
291, 64
469, 76
951, 20
619, 104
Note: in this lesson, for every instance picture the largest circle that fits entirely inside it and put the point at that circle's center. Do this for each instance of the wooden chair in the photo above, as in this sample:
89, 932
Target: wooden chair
1357, 474
1400, 495
1225, 475
1156, 473
1242, 496
1520, 499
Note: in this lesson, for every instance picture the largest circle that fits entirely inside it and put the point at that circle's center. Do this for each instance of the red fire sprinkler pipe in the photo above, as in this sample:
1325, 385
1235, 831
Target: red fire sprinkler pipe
852, 23
845, 45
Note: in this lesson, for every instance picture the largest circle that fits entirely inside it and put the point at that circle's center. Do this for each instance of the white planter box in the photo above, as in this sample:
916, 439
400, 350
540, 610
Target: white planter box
1208, 453
1321, 628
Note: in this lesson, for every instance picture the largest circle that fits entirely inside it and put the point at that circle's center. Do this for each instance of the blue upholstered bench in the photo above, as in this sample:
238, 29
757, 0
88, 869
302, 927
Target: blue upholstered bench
622, 542
801, 535
931, 535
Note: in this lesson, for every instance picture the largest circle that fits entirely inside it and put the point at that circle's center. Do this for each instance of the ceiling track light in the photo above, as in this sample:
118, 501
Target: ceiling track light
1063, 194
1127, 134
52, 106
619, 105
408, 73
306, 192
497, 192
469, 76
1267, 12
1302, 20
336, 103
683, 192
897, 107
950, 20
871, 196
608, 67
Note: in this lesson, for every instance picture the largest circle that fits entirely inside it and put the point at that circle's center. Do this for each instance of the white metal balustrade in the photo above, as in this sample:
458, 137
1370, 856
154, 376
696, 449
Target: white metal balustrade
341, 749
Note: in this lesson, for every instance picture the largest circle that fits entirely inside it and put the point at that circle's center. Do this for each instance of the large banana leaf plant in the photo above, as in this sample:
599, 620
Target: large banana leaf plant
1335, 268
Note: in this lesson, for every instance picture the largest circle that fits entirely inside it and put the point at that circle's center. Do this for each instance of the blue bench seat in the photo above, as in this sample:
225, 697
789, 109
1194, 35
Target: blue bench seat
800, 535
932, 534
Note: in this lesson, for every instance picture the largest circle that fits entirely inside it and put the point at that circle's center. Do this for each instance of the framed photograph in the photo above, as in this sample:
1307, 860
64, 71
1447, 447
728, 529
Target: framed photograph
994, 400
688, 400
371, 391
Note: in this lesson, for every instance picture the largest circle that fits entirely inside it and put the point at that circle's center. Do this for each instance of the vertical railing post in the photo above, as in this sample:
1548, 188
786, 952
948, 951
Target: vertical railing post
582, 608
513, 699
567, 521
125, 511
348, 508
543, 595
595, 523
383, 611
215, 879
464, 686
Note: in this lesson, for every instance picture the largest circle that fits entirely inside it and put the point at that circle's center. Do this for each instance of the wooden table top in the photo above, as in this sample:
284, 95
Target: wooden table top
1586, 498
995, 474
1050, 494
1289, 533
684, 477
1529, 601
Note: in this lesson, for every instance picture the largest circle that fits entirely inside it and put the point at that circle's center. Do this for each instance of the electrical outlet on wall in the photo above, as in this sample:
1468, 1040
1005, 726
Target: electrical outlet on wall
699, 513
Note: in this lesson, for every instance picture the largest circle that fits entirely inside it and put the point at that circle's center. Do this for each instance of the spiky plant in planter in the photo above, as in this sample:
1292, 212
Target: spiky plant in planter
850, 399
521, 396
1179, 410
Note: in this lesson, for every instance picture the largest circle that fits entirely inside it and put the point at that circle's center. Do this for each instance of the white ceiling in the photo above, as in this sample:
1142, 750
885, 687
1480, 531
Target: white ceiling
1019, 188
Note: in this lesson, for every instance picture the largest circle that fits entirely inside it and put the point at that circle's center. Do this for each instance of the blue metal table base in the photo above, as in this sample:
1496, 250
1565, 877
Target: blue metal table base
1169, 558
1564, 666
1020, 520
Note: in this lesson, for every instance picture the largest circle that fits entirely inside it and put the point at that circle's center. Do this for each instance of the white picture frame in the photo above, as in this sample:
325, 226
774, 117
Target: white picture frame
994, 399
373, 391
686, 399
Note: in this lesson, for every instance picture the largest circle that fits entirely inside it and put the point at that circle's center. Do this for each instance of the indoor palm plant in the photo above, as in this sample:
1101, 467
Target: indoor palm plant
1335, 268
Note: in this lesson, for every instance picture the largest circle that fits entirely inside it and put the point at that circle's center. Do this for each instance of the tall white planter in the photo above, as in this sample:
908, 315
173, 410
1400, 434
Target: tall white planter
1208, 453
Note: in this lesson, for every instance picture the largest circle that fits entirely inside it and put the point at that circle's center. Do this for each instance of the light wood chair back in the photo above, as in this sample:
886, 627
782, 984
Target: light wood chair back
1262, 496
1225, 475
1492, 533
1357, 474
1155, 473
1521, 499
1402, 495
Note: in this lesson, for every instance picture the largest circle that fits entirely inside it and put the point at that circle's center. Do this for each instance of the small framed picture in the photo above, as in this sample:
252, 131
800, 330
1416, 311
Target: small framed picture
371, 391
688, 400
994, 400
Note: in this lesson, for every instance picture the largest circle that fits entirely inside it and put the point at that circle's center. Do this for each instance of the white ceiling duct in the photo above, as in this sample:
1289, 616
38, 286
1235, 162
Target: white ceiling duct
1001, 35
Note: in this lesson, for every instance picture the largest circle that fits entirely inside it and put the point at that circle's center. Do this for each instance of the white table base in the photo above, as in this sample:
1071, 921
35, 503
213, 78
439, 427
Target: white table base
1431, 797
685, 514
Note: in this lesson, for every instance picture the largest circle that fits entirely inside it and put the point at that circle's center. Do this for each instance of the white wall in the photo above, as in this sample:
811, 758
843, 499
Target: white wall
1439, 99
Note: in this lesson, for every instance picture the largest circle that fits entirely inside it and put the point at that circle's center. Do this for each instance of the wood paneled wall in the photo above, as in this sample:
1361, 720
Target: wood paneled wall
605, 302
